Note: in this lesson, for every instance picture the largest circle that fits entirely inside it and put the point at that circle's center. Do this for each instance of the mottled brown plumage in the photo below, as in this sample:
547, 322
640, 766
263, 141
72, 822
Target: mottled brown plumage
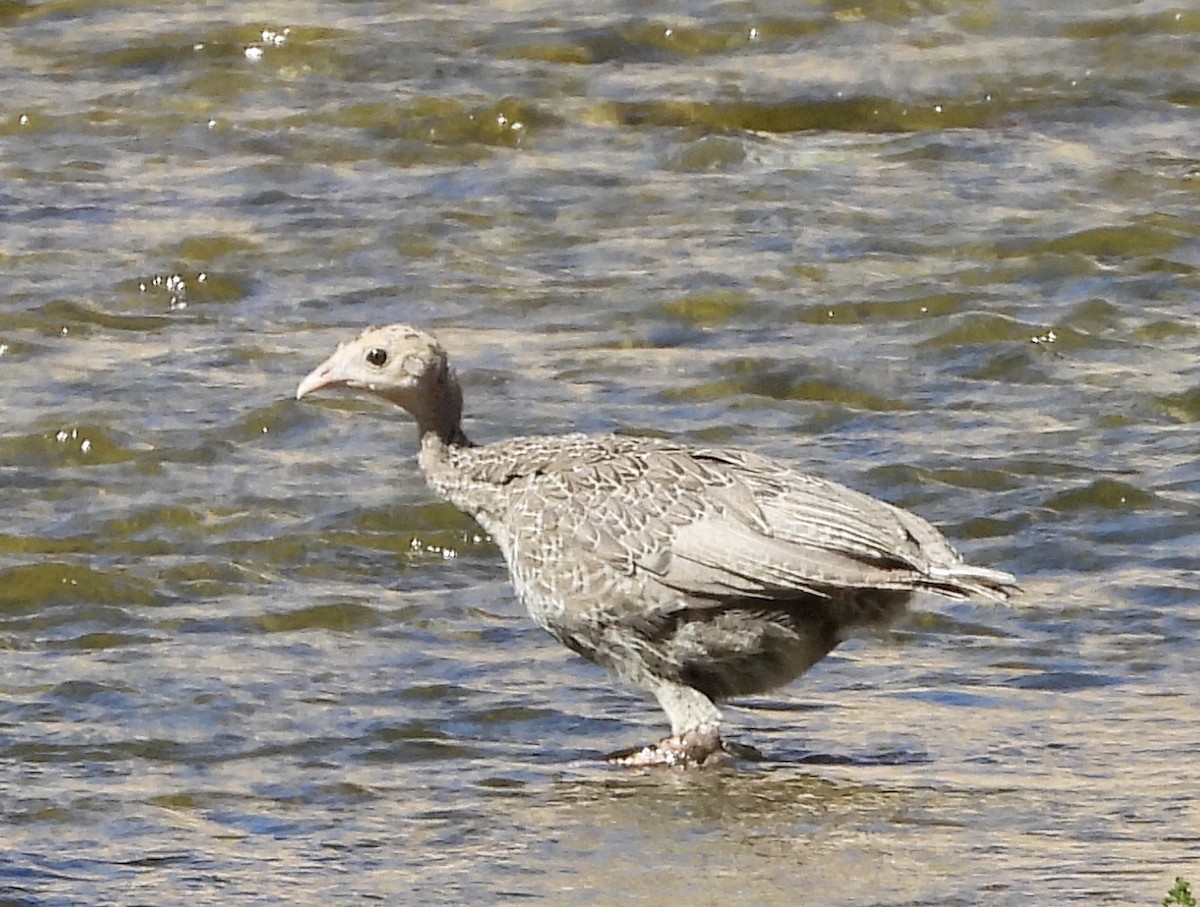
695, 573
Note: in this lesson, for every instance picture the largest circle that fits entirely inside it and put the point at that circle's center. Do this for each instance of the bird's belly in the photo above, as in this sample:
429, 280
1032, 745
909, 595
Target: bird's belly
646, 632
723, 650
739, 651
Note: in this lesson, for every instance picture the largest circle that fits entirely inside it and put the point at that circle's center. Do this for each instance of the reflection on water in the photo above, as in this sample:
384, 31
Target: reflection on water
946, 255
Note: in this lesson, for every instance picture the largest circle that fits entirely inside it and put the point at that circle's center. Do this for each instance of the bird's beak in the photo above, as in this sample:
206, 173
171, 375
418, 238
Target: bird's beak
327, 374
317, 379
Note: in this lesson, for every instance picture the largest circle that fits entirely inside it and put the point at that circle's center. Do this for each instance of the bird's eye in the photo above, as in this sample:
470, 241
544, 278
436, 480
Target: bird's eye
377, 357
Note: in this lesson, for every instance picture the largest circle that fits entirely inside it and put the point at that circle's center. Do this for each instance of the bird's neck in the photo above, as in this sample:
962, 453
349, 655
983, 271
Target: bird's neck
438, 415
441, 439
438, 463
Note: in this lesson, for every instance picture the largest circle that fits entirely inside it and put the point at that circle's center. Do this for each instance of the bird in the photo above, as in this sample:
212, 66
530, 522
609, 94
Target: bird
698, 574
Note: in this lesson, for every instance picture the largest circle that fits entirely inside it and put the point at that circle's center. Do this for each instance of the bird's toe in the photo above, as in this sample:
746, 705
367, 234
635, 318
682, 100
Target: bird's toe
700, 747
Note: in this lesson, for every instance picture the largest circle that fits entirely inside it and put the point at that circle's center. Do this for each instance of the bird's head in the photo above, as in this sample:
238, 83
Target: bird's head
400, 364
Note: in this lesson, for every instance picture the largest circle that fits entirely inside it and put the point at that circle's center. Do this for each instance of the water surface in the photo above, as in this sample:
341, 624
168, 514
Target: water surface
944, 252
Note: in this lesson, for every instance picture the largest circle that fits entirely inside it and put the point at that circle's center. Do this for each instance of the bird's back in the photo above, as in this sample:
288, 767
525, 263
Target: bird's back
583, 519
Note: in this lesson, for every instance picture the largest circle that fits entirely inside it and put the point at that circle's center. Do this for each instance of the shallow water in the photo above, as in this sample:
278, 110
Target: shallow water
944, 252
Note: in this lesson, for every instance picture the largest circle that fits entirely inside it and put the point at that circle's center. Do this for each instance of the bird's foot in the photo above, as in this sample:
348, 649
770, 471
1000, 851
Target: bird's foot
701, 746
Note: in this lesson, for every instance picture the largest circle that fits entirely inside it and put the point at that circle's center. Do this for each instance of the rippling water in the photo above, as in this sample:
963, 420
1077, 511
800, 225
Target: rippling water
945, 252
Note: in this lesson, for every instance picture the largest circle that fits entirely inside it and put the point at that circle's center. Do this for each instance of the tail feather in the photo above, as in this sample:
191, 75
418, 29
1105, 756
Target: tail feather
966, 581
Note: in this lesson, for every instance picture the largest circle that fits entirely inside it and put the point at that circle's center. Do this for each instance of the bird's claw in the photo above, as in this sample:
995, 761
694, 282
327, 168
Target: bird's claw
702, 747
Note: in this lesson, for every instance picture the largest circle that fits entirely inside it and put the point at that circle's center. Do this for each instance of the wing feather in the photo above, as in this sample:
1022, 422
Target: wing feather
720, 523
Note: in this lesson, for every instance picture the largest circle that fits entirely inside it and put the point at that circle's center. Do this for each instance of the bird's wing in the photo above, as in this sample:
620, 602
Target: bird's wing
718, 524
774, 533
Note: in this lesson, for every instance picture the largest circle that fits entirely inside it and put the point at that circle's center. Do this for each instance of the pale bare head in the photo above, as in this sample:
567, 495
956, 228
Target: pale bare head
400, 364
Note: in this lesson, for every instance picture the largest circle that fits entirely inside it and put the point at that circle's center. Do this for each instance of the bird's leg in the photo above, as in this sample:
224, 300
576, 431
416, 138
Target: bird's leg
695, 732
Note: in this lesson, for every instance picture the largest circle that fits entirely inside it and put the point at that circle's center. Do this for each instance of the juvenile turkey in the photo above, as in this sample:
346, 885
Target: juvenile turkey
695, 573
